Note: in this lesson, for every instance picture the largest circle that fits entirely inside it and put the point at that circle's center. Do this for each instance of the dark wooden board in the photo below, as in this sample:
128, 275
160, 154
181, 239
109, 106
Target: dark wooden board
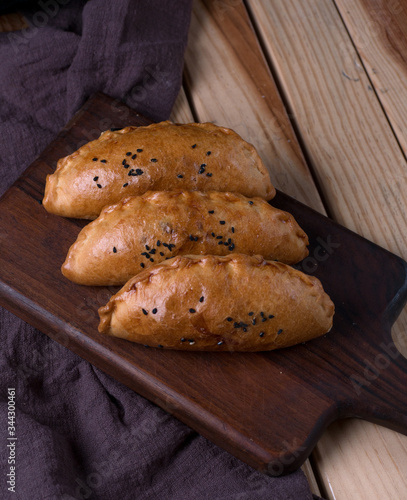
268, 409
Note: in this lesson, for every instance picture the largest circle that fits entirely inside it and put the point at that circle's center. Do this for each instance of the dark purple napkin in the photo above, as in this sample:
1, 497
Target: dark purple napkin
80, 434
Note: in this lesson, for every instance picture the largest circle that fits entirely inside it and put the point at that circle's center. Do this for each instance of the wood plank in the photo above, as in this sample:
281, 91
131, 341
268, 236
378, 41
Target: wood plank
360, 167
354, 153
12, 22
230, 85
181, 111
374, 473
379, 31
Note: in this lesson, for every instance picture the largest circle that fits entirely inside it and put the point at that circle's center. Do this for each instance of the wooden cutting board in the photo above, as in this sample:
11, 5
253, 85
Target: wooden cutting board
268, 409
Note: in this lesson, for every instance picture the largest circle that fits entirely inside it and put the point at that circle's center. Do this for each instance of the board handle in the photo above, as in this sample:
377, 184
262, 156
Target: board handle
379, 390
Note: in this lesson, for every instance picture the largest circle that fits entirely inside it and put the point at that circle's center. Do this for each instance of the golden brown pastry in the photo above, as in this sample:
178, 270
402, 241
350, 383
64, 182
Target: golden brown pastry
143, 230
237, 302
163, 156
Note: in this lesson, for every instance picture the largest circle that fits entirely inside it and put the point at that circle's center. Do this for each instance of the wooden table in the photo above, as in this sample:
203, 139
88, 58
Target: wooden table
318, 86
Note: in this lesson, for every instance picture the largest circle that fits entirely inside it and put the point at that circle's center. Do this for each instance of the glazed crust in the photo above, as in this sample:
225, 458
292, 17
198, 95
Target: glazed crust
235, 303
163, 156
144, 230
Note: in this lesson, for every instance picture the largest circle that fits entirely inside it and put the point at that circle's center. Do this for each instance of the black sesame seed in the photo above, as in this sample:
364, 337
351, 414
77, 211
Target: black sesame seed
152, 251
251, 313
201, 170
271, 316
220, 342
151, 260
191, 237
193, 146
229, 319
131, 171
220, 242
154, 311
96, 178
211, 211
158, 243
114, 250
251, 202
124, 162
99, 186
103, 161
243, 324
154, 160
213, 234
183, 339
180, 176
208, 153
147, 247
142, 265
134, 157
262, 314
94, 159
145, 253
139, 171
222, 222
219, 237
171, 245
209, 174
128, 153
162, 254
236, 324
225, 243
126, 165
263, 320
165, 245
201, 299
196, 238
233, 229
144, 312
139, 151
280, 331
261, 334
125, 184
192, 310
254, 322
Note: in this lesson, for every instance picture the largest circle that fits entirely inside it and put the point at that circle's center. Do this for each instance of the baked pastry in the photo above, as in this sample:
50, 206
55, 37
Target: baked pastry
236, 302
162, 156
143, 230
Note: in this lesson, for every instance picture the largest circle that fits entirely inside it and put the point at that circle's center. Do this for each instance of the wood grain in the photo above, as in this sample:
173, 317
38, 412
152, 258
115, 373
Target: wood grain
181, 111
356, 159
230, 85
12, 22
268, 409
373, 473
379, 31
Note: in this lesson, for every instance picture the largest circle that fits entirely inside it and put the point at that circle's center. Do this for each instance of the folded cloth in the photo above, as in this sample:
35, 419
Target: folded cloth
80, 433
